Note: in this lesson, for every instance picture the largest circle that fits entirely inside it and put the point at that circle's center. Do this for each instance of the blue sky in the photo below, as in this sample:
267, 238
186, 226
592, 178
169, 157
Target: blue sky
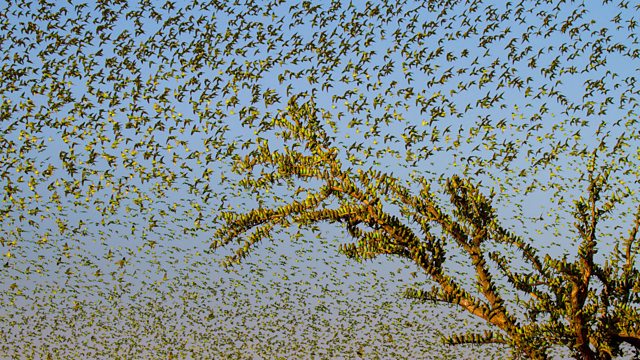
160, 95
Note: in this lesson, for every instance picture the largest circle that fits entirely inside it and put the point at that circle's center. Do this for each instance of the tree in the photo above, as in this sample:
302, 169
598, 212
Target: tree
465, 136
591, 308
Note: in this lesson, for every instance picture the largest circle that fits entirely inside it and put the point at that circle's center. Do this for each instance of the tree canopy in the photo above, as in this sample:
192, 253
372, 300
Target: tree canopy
492, 146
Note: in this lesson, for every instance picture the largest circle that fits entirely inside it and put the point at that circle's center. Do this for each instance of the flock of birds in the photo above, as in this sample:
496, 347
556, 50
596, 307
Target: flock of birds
123, 124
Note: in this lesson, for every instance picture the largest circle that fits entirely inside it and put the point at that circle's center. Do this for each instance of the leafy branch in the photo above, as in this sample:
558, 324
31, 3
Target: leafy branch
561, 303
